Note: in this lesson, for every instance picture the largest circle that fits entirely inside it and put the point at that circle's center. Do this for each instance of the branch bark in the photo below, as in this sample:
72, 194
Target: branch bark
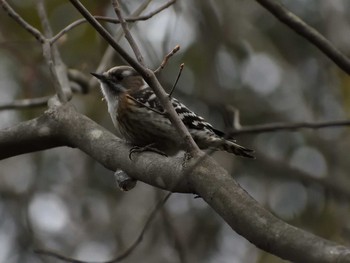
306, 31
64, 126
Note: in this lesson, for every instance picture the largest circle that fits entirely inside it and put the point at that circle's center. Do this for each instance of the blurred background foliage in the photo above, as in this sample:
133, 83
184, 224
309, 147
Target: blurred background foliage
235, 53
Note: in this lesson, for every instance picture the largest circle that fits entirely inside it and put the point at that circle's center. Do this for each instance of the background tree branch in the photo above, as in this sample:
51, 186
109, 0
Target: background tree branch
308, 32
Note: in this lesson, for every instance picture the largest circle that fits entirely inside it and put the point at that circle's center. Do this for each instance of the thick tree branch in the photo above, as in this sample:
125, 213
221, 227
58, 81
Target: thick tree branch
64, 126
306, 31
30, 136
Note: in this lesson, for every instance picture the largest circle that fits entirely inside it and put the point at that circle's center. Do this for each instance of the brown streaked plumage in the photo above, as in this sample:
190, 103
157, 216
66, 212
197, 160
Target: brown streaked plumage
140, 118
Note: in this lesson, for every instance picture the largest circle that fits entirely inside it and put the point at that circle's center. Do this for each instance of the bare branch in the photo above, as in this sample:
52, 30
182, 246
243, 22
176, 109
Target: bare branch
123, 255
173, 233
148, 76
166, 58
283, 169
64, 126
49, 60
53, 58
151, 14
177, 79
108, 55
137, 241
308, 32
127, 33
51, 55
30, 136
12, 13
133, 18
287, 127
43, 18
67, 29
25, 103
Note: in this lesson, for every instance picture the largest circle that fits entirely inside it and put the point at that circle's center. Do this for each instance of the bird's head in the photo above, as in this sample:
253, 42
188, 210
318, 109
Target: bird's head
118, 80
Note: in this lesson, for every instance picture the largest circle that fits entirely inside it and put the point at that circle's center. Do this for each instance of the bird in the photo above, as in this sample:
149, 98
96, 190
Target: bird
141, 120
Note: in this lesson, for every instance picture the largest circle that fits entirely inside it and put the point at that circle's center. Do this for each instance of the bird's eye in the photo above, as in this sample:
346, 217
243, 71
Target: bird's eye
120, 77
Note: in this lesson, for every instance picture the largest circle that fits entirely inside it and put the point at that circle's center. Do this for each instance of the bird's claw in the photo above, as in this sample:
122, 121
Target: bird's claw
147, 148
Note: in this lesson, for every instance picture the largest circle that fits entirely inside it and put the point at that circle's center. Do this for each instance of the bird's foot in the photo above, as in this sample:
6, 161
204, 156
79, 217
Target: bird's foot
147, 148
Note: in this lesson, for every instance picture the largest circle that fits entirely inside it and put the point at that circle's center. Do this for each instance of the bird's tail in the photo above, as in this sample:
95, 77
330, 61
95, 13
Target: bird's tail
236, 149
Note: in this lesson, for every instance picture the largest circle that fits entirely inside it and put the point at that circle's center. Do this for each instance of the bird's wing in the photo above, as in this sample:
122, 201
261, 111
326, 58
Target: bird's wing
148, 99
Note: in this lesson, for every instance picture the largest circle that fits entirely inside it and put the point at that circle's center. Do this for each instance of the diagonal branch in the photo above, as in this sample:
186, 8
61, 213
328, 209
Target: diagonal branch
47, 53
51, 54
12, 13
109, 53
166, 59
123, 255
133, 18
127, 33
53, 58
306, 31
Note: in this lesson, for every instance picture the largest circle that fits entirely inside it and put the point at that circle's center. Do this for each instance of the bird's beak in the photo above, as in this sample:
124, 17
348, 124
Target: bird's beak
98, 76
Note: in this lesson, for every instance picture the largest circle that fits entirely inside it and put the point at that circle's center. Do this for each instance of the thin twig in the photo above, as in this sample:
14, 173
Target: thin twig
13, 14
166, 58
49, 60
256, 129
25, 103
173, 233
127, 33
283, 169
108, 54
144, 105
133, 18
44, 20
137, 241
308, 32
105, 34
51, 56
151, 14
123, 255
177, 79
57, 68
236, 119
